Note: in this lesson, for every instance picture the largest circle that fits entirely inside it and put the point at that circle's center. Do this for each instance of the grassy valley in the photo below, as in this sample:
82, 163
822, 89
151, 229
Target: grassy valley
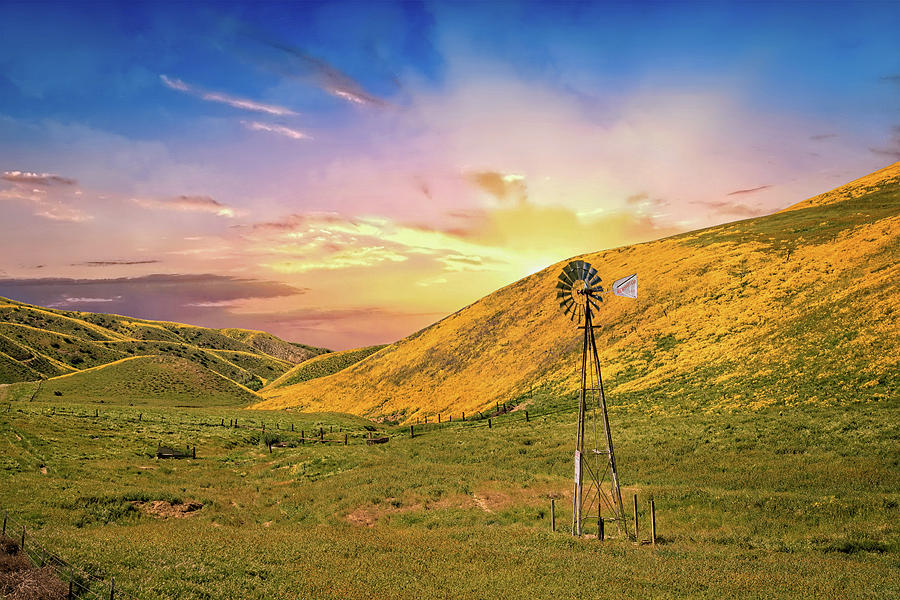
753, 396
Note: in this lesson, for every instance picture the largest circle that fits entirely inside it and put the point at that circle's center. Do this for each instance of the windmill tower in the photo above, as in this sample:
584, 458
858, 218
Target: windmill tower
596, 491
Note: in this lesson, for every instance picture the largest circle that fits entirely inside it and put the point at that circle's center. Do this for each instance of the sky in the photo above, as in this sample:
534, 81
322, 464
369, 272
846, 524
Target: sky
344, 174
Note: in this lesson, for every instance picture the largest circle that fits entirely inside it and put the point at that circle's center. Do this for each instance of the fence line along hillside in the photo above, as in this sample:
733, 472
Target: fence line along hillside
28, 568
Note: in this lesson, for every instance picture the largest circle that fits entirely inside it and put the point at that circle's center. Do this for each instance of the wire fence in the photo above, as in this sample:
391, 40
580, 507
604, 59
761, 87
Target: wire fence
80, 583
281, 433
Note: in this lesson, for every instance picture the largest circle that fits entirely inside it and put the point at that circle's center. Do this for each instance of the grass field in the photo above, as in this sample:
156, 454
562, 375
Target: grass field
753, 392
783, 501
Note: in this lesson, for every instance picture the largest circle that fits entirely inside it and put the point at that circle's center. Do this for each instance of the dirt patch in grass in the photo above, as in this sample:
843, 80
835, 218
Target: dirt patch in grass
20, 580
369, 514
163, 509
33, 584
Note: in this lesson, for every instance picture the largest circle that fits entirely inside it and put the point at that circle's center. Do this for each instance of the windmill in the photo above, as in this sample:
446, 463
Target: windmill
579, 293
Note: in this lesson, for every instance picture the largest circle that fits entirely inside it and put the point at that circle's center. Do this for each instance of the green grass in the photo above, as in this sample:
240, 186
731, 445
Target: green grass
783, 502
143, 380
323, 365
40, 343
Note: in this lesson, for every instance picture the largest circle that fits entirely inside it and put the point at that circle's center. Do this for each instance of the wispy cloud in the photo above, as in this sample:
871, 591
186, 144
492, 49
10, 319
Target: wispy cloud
44, 179
894, 150
111, 263
503, 186
294, 134
73, 301
823, 136
188, 204
159, 296
294, 62
46, 206
233, 101
749, 190
725, 207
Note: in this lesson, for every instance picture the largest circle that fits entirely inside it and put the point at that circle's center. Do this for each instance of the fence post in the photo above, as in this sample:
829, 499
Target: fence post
552, 514
345, 439
464, 415
489, 423
112, 588
653, 522
194, 452
264, 428
140, 417
439, 418
411, 434
600, 533
637, 538
321, 434
292, 428
526, 416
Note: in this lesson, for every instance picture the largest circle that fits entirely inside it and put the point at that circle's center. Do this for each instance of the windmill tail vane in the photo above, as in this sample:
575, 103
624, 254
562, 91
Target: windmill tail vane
579, 292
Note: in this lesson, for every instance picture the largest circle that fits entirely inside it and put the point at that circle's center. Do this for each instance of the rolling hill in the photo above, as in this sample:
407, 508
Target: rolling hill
796, 307
144, 381
322, 366
39, 343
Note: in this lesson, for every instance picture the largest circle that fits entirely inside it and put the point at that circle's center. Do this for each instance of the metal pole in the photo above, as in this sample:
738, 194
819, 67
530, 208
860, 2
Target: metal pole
579, 434
616, 492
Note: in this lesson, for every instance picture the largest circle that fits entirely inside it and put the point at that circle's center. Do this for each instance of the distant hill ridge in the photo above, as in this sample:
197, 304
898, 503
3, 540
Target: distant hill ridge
801, 306
38, 343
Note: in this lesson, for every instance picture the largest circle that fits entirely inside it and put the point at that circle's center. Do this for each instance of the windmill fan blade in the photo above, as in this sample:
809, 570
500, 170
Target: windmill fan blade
571, 272
594, 280
580, 268
566, 276
592, 272
595, 302
563, 286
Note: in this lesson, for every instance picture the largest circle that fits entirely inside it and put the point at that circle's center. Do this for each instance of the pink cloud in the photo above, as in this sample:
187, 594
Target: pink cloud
233, 101
188, 204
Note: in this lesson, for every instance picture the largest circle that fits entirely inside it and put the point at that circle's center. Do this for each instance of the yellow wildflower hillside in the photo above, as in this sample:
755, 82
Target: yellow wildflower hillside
799, 306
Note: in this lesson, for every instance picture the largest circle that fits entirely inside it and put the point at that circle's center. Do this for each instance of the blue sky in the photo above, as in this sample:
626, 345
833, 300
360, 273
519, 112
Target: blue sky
446, 148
